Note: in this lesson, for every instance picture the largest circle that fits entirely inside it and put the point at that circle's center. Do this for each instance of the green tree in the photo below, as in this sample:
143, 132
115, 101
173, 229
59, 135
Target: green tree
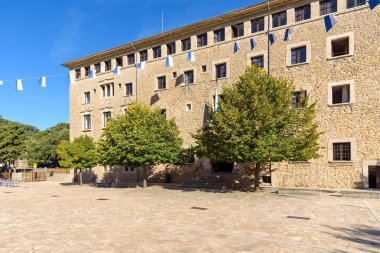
257, 124
79, 154
12, 142
141, 138
42, 146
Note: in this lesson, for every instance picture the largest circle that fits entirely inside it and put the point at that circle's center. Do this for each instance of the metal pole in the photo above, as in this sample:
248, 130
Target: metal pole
268, 59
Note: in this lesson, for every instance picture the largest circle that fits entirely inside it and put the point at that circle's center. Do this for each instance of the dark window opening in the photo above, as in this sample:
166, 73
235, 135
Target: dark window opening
97, 68
302, 13
129, 89
161, 82
131, 59
237, 30
298, 55
143, 56
189, 77
87, 71
258, 61
119, 61
299, 99
171, 48
221, 166
257, 25
355, 3
157, 52
221, 70
77, 74
107, 65
327, 7
341, 94
279, 19
342, 151
219, 35
186, 44
340, 47
202, 40
204, 68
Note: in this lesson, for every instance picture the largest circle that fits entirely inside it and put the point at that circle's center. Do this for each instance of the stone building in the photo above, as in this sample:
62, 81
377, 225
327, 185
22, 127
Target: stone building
338, 69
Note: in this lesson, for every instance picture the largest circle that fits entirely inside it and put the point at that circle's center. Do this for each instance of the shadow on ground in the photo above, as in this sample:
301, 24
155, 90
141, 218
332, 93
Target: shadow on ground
362, 238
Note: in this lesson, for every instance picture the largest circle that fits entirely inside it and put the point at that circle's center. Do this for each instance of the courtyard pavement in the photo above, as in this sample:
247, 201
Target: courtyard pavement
54, 217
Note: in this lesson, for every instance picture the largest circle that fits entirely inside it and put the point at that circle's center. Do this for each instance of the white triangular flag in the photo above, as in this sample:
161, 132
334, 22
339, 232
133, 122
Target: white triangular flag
1, 83
141, 65
71, 78
117, 70
191, 56
19, 85
43, 82
92, 73
216, 106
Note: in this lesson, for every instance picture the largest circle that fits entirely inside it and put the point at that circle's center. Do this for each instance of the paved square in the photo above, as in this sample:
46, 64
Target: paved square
50, 217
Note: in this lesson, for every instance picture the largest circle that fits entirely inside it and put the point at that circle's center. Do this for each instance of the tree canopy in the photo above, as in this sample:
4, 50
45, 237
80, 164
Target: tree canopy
12, 142
256, 123
79, 154
140, 138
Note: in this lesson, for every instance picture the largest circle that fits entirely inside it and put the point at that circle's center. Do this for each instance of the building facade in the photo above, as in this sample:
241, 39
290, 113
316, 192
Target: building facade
339, 70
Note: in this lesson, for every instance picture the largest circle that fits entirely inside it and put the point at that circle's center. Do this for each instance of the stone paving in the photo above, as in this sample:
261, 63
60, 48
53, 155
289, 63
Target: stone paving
52, 217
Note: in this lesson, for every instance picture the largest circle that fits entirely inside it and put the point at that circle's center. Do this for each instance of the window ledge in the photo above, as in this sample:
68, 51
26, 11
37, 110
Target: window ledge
127, 96
298, 64
157, 90
86, 104
340, 56
342, 162
86, 130
341, 104
186, 84
303, 162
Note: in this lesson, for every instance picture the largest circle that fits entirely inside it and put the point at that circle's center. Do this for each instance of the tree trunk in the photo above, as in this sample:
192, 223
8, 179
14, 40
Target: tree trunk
80, 177
144, 178
257, 176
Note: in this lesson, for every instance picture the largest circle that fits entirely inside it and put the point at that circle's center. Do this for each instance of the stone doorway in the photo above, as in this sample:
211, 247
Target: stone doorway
221, 166
374, 177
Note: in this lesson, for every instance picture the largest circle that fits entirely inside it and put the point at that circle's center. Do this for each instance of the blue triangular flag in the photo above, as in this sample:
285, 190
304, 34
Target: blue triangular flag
169, 62
330, 21
42, 82
288, 34
93, 73
373, 3
191, 56
272, 38
117, 70
253, 43
141, 65
236, 47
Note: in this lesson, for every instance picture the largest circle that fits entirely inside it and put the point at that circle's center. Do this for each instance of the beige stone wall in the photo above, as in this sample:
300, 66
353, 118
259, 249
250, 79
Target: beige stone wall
357, 121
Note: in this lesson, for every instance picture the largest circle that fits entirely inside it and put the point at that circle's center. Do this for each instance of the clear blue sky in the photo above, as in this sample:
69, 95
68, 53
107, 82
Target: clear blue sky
37, 36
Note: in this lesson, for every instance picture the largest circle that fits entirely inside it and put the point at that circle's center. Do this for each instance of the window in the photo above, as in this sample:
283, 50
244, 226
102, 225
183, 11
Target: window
298, 55
202, 40
131, 59
107, 65
87, 122
327, 7
129, 89
219, 35
342, 151
237, 30
302, 13
119, 61
87, 97
87, 71
174, 75
143, 56
340, 47
170, 48
189, 77
157, 52
106, 115
204, 68
258, 61
355, 3
221, 70
97, 68
161, 82
340, 94
298, 99
77, 74
189, 107
257, 25
279, 19
107, 90
186, 44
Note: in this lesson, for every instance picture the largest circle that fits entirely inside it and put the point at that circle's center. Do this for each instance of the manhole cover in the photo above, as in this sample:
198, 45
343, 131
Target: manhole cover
298, 218
103, 199
198, 208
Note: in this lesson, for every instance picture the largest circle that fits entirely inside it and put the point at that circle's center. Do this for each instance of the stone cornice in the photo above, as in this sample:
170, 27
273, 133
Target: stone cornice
258, 9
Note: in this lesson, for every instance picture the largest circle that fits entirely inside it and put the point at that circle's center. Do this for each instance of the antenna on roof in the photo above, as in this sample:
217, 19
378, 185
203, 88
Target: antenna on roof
162, 21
